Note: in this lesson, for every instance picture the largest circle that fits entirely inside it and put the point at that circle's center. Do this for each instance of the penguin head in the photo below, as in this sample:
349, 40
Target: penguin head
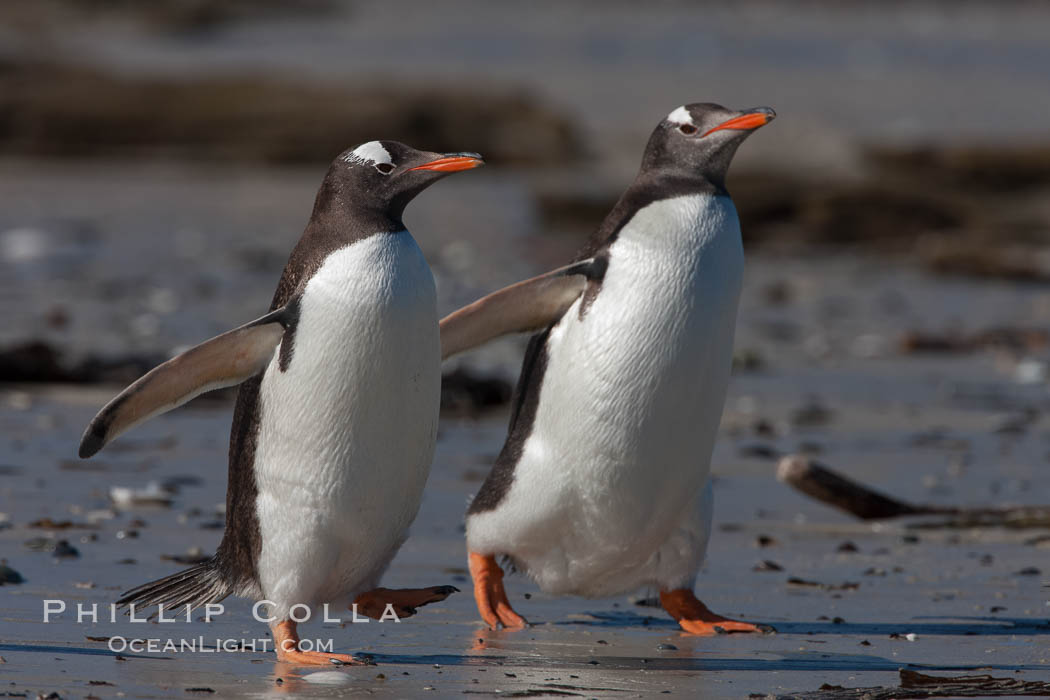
387, 175
701, 138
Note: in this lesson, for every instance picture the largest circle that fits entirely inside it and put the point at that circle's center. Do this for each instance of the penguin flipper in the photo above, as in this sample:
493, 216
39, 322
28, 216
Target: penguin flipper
520, 308
225, 360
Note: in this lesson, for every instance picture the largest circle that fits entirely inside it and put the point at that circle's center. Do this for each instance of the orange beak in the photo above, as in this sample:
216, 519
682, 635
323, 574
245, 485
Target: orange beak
452, 163
751, 120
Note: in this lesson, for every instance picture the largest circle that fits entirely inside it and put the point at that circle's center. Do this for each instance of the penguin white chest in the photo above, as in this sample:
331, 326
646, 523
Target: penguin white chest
348, 423
629, 403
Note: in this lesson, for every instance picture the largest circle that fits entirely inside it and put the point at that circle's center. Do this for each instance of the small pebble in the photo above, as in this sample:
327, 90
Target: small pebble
811, 414
9, 575
64, 550
763, 428
666, 647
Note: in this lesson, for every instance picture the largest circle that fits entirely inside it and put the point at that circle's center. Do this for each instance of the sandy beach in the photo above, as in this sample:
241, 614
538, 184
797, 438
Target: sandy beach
893, 326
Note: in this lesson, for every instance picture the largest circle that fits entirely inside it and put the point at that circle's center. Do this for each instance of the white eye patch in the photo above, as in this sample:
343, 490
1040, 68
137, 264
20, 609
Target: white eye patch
680, 116
371, 153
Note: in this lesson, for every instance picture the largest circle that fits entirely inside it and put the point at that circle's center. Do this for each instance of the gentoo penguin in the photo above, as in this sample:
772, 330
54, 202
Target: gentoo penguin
336, 419
602, 485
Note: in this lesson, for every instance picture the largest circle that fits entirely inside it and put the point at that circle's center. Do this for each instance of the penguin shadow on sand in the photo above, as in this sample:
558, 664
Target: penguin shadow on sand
922, 626
503, 647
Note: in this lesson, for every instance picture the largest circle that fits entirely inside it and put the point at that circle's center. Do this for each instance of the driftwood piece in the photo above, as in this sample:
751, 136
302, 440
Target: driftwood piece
820, 482
919, 685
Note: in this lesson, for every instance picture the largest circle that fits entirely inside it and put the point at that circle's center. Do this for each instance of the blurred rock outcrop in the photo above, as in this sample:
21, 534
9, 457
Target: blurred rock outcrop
61, 111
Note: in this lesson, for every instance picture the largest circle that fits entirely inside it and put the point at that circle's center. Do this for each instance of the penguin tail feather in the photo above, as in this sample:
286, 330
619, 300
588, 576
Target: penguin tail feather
193, 587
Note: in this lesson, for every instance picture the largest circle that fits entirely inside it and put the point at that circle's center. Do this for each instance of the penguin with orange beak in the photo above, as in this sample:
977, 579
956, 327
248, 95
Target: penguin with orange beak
336, 419
603, 484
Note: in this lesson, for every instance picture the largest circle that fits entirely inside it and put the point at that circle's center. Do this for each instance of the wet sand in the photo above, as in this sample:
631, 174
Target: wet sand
936, 428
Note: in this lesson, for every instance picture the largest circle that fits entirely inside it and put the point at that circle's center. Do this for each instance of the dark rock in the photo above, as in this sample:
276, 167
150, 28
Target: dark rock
918, 685
465, 392
9, 575
1011, 339
974, 257
811, 414
79, 111
764, 428
64, 550
999, 168
172, 16
31, 361
845, 586
37, 361
748, 360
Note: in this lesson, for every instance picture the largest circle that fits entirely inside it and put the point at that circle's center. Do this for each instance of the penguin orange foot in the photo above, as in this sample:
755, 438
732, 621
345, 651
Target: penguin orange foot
490, 595
286, 644
403, 601
696, 618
